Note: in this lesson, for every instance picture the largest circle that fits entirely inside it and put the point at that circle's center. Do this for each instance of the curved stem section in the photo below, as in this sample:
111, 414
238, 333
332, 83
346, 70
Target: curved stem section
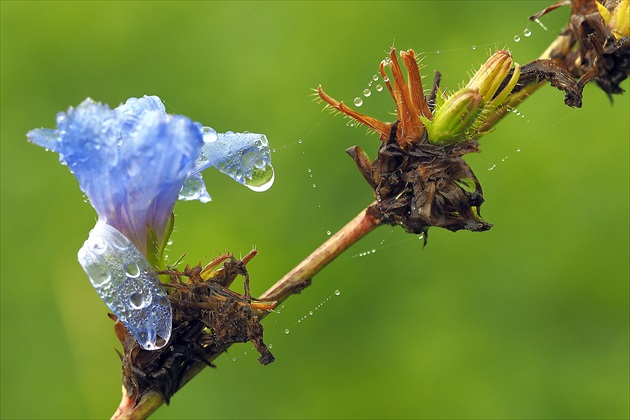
300, 277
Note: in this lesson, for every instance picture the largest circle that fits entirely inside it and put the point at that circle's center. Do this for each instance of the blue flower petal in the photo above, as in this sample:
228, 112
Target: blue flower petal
133, 162
244, 157
126, 282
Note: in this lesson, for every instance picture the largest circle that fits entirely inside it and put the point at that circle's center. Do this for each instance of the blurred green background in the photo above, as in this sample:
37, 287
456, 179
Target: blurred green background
527, 320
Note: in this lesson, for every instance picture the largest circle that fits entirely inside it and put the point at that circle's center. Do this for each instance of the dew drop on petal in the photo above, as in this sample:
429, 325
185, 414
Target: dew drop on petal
358, 101
98, 246
126, 282
137, 300
132, 270
262, 179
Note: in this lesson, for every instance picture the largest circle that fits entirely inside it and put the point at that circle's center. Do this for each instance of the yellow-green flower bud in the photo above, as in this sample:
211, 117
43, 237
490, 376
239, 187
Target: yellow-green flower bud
454, 119
489, 77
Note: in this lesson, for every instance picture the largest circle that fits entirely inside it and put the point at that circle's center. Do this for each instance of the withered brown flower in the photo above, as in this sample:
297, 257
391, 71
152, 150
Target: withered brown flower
419, 181
207, 318
596, 42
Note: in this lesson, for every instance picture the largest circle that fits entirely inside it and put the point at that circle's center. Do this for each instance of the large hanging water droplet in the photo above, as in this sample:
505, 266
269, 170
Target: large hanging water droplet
358, 101
261, 179
245, 157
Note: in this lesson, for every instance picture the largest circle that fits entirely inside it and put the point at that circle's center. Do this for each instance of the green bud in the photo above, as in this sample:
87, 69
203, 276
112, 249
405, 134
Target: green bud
489, 77
453, 120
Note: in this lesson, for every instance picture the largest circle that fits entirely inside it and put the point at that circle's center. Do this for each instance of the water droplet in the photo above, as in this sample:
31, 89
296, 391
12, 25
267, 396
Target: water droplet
310, 313
492, 167
138, 300
358, 101
309, 170
132, 270
375, 77
378, 88
527, 32
314, 185
287, 331
270, 345
474, 47
437, 51
385, 79
518, 150
261, 179
337, 292
234, 359
300, 141
517, 38
366, 92
273, 150
98, 246
328, 232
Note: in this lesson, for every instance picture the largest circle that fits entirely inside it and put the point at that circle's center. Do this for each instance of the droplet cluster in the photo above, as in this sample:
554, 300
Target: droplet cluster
126, 282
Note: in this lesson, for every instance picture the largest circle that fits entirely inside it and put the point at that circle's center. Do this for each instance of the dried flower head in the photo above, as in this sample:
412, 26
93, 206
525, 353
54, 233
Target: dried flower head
596, 42
419, 177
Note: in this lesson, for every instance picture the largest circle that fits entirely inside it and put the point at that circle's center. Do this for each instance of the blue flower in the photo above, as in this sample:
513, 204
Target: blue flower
133, 163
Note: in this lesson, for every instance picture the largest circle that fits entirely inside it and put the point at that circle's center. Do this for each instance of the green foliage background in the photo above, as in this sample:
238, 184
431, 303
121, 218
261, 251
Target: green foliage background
528, 320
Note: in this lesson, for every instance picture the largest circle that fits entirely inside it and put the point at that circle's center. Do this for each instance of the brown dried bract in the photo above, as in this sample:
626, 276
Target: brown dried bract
592, 51
424, 185
207, 317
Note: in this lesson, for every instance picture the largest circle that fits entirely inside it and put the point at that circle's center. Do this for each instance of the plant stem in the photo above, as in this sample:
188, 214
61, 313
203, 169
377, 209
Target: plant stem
294, 281
300, 276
